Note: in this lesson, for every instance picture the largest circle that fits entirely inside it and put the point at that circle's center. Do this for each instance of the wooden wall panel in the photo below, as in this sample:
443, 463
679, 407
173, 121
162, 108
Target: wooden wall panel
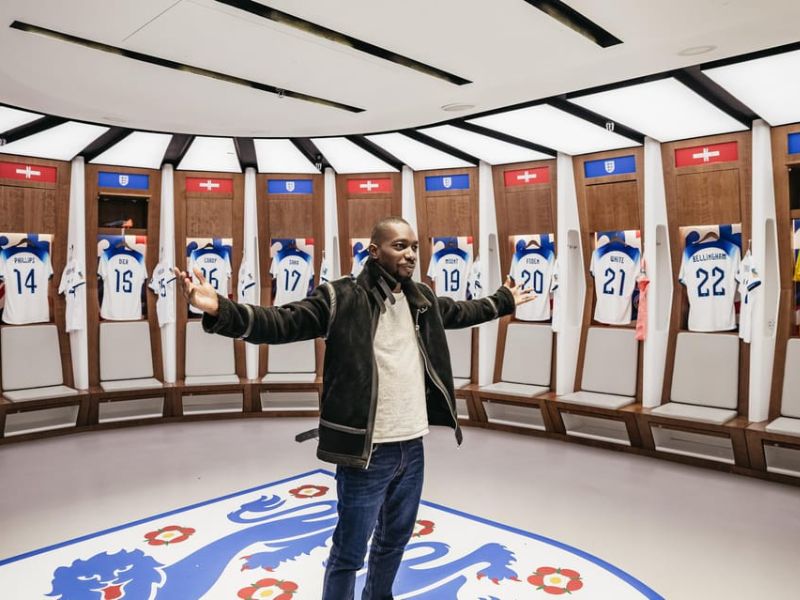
358, 213
614, 206
715, 193
152, 196
40, 207
209, 215
288, 216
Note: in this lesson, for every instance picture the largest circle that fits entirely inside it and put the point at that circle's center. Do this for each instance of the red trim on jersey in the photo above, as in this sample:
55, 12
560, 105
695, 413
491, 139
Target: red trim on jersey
704, 155
38, 173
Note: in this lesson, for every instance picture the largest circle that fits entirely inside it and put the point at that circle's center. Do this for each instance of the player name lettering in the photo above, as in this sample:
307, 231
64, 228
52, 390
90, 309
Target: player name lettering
294, 261
451, 261
123, 261
707, 257
209, 259
616, 259
21, 260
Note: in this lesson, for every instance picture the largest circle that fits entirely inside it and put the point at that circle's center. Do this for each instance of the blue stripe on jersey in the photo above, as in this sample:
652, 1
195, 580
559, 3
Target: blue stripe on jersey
727, 246
114, 250
290, 186
794, 143
446, 183
632, 252
450, 247
609, 166
129, 181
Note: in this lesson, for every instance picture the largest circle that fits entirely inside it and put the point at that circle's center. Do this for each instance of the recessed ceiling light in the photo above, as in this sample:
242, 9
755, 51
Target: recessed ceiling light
457, 106
695, 50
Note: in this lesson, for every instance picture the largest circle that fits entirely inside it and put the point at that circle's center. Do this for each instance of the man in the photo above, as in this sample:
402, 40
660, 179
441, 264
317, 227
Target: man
387, 377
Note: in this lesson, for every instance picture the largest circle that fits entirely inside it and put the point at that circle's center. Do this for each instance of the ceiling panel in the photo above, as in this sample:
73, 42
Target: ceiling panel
346, 157
211, 154
11, 118
418, 156
62, 142
139, 149
281, 156
493, 151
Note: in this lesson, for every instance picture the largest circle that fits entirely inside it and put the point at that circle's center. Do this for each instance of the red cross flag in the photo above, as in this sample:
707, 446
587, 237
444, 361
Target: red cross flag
705, 155
369, 186
209, 185
38, 173
527, 176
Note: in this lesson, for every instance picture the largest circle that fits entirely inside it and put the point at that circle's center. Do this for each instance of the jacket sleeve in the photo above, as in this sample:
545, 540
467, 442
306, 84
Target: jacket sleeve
305, 319
466, 313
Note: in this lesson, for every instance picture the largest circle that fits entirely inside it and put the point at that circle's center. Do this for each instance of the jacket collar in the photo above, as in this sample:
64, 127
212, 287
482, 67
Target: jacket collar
379, 284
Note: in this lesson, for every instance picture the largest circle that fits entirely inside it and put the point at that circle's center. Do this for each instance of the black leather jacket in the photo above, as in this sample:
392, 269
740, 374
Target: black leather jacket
345, 313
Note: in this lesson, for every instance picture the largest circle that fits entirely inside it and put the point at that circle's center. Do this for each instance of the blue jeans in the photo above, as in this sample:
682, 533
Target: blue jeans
383, 498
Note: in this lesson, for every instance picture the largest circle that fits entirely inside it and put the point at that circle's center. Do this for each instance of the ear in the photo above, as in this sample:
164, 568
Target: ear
373, 250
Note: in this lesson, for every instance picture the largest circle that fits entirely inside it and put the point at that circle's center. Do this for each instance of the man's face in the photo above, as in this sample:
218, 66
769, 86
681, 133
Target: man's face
397, 252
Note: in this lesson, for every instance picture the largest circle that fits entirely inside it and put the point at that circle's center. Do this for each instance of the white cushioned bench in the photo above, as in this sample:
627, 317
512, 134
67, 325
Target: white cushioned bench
459, 342
609, 369
31, 363
292, 363
209, 358
527, 359
126, 358
705, 380
789, 421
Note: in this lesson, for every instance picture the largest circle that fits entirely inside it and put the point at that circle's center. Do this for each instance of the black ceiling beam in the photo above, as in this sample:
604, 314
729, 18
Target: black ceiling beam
246, 152
597, 119
110, 138
568, 16
702, 84
376, 151
266, 12
441, 146
29, 129
504, 137
311, 152
177, 149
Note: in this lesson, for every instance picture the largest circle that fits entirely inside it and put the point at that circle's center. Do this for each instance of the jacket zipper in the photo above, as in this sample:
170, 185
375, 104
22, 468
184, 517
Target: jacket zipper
374, 394
434, 377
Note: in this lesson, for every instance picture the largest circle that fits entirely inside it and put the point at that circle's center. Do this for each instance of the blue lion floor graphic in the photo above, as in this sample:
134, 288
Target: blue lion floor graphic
272, 542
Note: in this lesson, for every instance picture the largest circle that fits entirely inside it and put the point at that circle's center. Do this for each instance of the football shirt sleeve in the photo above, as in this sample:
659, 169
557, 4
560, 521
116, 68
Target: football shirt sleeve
432, 267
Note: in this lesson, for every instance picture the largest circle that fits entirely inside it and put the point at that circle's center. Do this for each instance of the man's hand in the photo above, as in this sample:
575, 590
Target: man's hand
201, 295
521, 296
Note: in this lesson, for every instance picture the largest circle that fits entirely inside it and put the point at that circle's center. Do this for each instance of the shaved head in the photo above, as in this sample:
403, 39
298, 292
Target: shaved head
382, 228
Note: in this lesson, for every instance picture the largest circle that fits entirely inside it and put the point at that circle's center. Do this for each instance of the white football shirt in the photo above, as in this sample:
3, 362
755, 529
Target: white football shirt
557, 316
615, 267
532, 268
360, 256
73, 286
26, 271
709, 271
123, 272
214, 263
474, 285
246, 287
450, 268
292, 271
749, 281
163, 284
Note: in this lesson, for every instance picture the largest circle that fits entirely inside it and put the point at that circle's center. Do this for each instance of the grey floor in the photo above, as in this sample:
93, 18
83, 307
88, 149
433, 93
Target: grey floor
688, 533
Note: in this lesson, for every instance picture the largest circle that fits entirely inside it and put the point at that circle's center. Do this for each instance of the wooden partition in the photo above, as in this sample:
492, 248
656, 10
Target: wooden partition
784, 447
289, 206
707, 182
208, 205
525, 204
363, 200
447, 205
34, 198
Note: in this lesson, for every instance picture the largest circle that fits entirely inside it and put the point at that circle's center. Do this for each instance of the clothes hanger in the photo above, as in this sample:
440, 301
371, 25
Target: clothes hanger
24, 240
535, 243
709, 234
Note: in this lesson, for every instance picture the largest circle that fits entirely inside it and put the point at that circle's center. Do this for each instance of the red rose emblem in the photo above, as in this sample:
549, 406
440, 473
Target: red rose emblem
556, 581
172, 534
273, 589
423, 527
309, 491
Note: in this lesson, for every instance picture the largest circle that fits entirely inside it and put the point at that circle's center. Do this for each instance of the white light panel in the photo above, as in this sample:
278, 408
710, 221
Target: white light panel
211, 154
493, 151
769, 86
12, 117
418, 156
281, 156
665, 110
554, 128
346, 157
62, 142
139, 149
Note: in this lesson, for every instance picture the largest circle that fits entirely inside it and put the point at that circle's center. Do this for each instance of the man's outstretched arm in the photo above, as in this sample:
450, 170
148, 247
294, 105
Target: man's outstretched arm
303, 320
457, 314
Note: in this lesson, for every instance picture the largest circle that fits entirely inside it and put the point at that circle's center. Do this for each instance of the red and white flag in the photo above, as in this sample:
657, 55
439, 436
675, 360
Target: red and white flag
209, 185
705, 155
38, 173
369, 186
527, 176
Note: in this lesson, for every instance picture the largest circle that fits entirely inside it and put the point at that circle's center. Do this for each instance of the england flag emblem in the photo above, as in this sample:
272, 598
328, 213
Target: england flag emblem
123, 180
609, 166
447, 182
290, 186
